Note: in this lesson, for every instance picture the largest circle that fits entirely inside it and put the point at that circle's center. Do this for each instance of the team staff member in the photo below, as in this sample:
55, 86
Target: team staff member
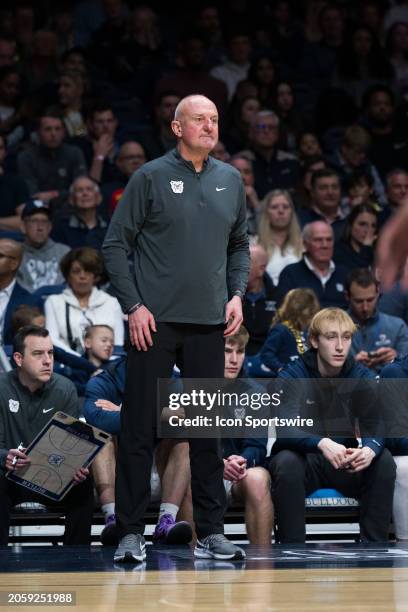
29, 396
183, 216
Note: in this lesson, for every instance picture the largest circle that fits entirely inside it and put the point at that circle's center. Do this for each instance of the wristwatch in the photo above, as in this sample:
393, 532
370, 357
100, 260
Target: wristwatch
134, 308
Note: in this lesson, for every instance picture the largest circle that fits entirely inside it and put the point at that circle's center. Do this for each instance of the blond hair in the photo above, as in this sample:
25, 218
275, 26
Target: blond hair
241, 337
331, 314
298, 308
265, 233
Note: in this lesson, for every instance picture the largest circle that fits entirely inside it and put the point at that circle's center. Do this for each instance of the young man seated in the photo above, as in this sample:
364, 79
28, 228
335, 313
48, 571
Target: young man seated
103, 400
246, 481
326, 453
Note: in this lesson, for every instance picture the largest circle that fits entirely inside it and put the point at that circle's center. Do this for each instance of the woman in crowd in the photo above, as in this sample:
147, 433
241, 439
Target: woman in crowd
242, 110
262, 73
286, 339
355, 249
279, 232
81, 304
397, 50
291, 124
71, 92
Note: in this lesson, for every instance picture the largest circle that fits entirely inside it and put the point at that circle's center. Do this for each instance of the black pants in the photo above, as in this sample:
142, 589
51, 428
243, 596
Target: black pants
78, 504
199, 351
295, 476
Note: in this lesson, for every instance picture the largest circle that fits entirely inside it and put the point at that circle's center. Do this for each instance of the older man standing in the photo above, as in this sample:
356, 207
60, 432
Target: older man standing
183, 216
316, 270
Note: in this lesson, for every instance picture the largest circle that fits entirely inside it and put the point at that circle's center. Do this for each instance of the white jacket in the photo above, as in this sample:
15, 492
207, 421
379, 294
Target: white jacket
103, 309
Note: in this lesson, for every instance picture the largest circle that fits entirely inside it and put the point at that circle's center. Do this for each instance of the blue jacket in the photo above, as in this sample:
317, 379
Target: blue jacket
108, 385
18, 297
299, 275
382, 330
279, 349
330, 411
396, 369
395, 302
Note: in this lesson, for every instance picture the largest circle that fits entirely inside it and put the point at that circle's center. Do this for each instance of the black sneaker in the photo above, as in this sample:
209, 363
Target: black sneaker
216, 546
110, 533
131, 549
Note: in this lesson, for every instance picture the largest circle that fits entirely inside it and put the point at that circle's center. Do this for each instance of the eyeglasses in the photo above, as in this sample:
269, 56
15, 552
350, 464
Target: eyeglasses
266, 127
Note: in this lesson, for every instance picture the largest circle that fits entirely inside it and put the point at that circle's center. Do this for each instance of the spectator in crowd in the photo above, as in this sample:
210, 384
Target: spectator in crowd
389, 140
396, 191
259, 300
241, 114
355, 248
326, 199
37, 392
235, 67
245, 479
380, 337
286, 340
8, 51
131, 156
359, 190
12, 294
50, 166
81, 304
193, 75
396, 45
303, 195
273, 168
262, 73
13, 194
100, 145
279, 232
74, 60
361, 63
319, 58
84, 226
317, 269
99, 342
244, 165
351, 156
220, 152
39, 67
103, 401
324, 456
41, 255
160, 138
291, 123
11, 118
71, 92
311, 27
208, 25
309, 147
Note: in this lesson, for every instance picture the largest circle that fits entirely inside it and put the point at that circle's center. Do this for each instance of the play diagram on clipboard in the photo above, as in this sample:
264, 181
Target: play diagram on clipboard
63, 446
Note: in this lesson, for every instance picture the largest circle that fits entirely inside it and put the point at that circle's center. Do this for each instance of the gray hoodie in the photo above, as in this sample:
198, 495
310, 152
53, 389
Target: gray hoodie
40, 266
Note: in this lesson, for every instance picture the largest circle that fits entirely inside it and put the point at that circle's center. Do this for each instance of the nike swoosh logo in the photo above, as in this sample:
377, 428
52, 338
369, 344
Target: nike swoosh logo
220, 188
48, 410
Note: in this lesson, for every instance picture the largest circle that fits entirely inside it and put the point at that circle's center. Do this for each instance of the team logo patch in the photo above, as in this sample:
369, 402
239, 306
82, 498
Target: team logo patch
177, 186
14, 405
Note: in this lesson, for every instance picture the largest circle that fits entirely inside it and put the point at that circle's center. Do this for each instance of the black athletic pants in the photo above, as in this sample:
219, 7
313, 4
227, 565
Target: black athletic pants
199, 351
294, 476
78, 504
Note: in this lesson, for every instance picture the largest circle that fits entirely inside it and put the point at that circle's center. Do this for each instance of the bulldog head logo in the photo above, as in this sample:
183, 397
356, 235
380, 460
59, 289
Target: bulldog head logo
177, 186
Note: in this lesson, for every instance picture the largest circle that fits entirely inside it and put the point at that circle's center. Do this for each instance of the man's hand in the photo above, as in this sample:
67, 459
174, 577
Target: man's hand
103, 146
81, 475
252, 198
362, 357
383, 355
140, 323
22, 459
234, 468
335, 453
107, 405
358, 459
233, 316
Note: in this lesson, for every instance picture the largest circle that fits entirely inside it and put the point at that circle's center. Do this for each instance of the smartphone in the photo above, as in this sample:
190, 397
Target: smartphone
372, 354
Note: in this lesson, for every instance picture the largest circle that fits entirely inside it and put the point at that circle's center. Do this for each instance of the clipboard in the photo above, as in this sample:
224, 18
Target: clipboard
64, 445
